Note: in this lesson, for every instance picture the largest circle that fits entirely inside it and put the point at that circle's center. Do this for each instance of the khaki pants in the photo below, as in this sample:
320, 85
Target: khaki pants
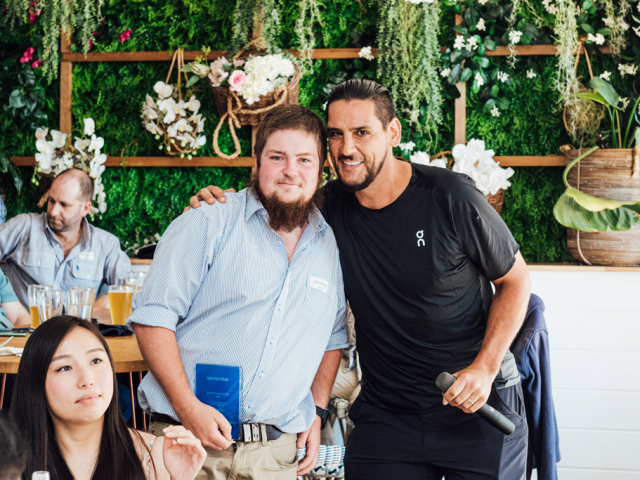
266, 460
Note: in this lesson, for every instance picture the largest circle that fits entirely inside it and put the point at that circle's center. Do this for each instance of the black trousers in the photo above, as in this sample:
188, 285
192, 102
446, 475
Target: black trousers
444, 442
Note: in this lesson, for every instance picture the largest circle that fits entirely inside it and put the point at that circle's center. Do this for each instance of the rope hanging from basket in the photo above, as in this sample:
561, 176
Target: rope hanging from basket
178, 61
231, 115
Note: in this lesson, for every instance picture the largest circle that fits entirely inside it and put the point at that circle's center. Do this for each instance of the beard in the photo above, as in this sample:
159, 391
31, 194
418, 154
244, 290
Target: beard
285, 216
369, 176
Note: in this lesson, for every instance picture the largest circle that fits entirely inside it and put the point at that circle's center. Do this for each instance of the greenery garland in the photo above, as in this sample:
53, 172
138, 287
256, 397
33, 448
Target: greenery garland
309, 15
409, 61
251, 13
79, 16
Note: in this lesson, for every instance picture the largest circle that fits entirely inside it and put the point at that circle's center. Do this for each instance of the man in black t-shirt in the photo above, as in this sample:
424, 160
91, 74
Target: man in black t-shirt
419, 248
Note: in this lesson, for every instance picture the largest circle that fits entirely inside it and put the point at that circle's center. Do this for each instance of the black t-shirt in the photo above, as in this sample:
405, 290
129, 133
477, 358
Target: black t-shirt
417, 274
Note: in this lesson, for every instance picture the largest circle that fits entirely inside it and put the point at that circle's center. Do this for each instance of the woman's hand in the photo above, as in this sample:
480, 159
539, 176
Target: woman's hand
182, 453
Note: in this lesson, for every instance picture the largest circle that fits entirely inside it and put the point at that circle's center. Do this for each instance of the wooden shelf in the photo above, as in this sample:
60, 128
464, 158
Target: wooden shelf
159, 162
165, 56
532, 161
523, 161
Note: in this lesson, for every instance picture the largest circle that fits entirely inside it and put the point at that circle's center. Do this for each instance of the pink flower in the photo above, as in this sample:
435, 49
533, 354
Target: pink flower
27, 56
36, 64
236, 80
238, 63
125, 35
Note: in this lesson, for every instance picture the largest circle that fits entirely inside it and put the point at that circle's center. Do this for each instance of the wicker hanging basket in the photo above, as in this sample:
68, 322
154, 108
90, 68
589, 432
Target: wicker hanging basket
612, 174
233, 108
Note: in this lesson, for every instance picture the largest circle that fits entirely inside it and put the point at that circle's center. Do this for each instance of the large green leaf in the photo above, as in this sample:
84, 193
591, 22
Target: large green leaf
606, 90
595, 204
595, 96
570, 214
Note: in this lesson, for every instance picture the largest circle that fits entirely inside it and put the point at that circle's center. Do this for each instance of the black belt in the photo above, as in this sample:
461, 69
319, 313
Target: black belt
249, 432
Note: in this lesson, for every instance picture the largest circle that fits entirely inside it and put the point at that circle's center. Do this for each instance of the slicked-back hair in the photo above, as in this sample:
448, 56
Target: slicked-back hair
84, 181
363, 89
292, 117
117, 456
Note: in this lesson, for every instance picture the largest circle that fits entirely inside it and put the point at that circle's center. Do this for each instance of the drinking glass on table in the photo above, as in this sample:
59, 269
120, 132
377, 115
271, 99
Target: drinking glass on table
130, 280
33, 302
120, 302
80, 302
49, 303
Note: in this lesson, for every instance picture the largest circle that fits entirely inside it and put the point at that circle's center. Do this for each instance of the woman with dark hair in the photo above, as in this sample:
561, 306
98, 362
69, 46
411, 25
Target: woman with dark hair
64, 405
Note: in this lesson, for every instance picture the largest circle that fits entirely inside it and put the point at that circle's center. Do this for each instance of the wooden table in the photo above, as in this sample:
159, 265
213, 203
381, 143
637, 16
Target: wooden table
124, 351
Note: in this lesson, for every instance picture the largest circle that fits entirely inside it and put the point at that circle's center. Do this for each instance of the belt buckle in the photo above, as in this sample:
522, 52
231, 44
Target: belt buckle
255, 430
246, 432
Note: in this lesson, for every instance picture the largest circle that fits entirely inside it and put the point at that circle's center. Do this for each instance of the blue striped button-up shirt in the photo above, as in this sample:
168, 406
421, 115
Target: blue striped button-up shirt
34, 256
221, 279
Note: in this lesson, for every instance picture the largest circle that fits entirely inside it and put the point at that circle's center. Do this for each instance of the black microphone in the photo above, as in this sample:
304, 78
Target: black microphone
486, 411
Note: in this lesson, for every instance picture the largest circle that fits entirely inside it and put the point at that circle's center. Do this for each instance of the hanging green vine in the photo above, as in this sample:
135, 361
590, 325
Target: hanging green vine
79, 16
409, 61
309, 15
251, 13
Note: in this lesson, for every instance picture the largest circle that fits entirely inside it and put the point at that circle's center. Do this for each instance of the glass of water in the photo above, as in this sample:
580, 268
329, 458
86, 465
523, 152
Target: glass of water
80, 302
49, 304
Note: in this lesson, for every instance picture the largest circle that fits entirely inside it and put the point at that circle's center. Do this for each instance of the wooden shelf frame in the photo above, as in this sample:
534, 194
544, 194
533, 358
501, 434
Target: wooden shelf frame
68, 58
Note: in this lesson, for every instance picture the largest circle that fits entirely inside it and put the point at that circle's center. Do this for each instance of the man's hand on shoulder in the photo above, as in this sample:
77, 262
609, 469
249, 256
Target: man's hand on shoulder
209, 195
208, 425
470, 390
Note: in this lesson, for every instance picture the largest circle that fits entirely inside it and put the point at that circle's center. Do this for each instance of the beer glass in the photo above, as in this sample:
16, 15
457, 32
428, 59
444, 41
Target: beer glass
130, 280
33, 302
80, 302
49, 303
120, 302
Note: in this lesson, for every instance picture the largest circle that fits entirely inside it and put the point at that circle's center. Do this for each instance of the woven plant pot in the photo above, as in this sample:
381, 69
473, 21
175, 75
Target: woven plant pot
496, 200
245, 116
607, 174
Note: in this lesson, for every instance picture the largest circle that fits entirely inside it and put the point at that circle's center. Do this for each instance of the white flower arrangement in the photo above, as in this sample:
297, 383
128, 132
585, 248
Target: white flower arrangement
473, 160
177, 122
55, 156
476, 162
365, 52
250, 79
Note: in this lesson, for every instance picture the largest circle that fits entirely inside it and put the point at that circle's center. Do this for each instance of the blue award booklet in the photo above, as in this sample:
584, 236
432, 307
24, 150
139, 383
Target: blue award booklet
220, 386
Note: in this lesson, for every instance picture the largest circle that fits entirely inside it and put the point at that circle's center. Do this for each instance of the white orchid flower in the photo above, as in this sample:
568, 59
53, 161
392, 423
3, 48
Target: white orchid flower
149, 113
45, 147
193, 104
44, 162
188, 141
89, 126
201, 140
96, 143
58, 138
179, 108
41, 134
421, 158
163, 90
167, 105
150, 103
153, 128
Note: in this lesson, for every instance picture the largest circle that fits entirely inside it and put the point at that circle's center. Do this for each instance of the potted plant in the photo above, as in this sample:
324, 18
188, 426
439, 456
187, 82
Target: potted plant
602, 199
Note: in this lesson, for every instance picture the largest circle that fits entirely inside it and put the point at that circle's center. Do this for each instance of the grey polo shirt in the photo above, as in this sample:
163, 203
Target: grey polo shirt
34, 256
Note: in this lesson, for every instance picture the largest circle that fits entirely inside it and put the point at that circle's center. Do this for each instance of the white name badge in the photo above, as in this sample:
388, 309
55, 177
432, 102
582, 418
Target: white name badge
319, 284
88, 256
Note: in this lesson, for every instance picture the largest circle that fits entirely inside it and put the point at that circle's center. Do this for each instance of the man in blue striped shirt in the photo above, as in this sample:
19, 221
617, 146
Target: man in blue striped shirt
256, 283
